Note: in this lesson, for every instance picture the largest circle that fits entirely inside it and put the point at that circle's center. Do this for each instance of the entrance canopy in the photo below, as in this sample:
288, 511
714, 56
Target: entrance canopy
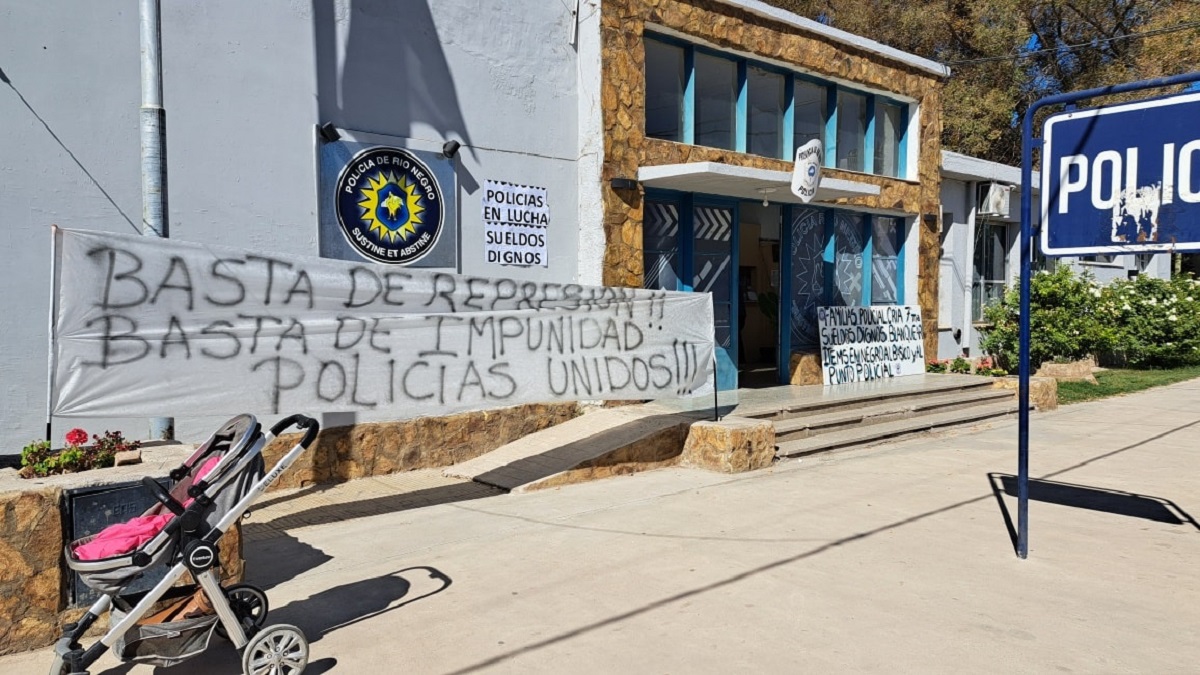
715, 178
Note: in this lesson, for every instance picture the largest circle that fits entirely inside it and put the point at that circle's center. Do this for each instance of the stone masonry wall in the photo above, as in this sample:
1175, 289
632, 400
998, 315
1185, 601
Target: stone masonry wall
626, 147
376, 449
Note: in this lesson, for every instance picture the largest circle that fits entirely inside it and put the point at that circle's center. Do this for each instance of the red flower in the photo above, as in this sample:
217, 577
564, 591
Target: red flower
77, 436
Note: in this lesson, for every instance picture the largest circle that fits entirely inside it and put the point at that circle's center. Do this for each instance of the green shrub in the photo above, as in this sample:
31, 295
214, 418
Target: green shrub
1063, 321
936, 366
1155, 322
961, 366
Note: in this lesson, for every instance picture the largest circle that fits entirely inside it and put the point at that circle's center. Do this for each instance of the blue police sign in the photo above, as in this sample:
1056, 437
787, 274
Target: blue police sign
1123, 178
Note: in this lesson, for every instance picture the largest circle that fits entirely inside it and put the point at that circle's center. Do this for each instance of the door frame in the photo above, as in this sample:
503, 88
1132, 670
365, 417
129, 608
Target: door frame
686, 203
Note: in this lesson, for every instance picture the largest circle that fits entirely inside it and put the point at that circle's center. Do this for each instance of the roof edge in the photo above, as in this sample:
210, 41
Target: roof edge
782, 15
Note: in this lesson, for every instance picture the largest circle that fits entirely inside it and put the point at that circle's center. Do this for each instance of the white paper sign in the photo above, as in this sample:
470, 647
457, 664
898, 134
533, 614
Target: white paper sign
861, 344
516, 219
150, 327
806, 173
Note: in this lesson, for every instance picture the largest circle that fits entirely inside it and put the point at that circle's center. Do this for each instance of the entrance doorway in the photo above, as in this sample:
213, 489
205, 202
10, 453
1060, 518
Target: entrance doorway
690, 244
758, 293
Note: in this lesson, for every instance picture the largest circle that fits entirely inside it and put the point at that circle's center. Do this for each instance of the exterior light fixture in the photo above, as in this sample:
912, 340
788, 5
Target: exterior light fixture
450, 149
623, 184
329, 133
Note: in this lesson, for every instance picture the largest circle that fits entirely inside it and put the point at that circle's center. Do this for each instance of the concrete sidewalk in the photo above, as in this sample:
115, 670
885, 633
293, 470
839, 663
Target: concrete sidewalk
894, 558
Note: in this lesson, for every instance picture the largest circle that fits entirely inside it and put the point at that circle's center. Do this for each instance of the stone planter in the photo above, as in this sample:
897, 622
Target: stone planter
805, 368
1074, 371
1043, 391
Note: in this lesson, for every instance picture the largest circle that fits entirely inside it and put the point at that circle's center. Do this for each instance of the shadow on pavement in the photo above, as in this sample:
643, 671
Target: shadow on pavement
319, 615
345, 605
273, 561
1117, 502
336, 513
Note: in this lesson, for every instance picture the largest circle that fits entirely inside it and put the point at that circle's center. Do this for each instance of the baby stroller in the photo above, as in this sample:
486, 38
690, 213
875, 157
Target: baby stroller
213, 489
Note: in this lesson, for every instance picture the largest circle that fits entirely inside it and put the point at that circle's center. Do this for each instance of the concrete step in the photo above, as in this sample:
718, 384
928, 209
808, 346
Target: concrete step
804, 425
872, 433
832, 398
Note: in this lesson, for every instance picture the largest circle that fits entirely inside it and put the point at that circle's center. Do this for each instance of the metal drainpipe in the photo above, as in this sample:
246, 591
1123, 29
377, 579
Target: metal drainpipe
154, 152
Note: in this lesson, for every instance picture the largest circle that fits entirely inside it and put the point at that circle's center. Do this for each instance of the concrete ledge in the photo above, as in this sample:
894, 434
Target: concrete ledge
1043, 391
731, 445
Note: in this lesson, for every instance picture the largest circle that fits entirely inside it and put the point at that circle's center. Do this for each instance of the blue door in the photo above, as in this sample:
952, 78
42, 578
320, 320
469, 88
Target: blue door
690, 244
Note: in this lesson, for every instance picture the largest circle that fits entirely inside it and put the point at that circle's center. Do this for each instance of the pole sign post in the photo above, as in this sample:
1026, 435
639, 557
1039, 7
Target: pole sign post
1122, 179
1117, 179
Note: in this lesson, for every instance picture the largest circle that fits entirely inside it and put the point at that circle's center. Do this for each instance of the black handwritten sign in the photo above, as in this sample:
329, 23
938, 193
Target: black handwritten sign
861, 344
148, 326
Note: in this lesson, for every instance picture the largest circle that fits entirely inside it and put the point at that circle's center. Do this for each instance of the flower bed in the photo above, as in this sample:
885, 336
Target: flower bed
37, 459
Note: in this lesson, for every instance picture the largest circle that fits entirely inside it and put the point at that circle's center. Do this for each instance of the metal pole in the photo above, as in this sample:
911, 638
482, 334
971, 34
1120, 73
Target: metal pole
1027, 144
1023, 372
154, 151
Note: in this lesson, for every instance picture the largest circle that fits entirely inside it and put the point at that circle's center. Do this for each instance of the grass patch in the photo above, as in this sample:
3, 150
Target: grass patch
1116, 382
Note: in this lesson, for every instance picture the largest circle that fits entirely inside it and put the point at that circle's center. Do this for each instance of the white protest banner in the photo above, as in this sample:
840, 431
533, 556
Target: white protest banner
516, 220
147, 327
860, 344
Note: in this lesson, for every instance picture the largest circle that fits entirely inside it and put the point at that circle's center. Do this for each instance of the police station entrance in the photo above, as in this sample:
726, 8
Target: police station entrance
791, 259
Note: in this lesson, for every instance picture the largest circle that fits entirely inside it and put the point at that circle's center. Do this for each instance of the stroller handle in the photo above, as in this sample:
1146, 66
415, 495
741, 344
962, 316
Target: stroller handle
310, 425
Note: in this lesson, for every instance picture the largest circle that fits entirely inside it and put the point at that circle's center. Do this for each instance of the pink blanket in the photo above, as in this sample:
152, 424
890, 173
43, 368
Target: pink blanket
124, 537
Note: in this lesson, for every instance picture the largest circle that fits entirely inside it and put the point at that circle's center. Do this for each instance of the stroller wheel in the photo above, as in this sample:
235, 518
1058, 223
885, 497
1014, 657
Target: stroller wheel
277, 650
249, 604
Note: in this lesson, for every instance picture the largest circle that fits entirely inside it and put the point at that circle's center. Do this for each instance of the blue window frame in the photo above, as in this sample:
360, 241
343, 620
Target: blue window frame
700, 96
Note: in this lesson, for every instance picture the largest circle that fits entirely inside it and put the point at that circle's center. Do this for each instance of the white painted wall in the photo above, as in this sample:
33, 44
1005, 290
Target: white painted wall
245, 84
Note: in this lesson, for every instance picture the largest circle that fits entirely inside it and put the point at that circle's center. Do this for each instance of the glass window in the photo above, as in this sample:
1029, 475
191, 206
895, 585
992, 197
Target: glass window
766, 104
851, 131
810, 113
848, 259
665, 80
885, 261
716, 101
660, 246
888, 131
991, 267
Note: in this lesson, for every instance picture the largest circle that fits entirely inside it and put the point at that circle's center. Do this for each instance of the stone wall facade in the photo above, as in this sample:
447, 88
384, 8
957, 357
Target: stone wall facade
622, 26
381, 448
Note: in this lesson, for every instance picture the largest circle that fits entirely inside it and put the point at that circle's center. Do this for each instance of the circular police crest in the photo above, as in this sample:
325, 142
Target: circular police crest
389, 205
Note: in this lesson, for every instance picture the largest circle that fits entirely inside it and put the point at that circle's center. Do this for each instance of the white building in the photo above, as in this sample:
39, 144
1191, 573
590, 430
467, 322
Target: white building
981, 256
